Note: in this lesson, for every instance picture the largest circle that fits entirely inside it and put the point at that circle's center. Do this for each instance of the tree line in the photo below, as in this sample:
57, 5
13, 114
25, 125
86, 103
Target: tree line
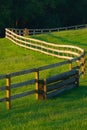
41, 13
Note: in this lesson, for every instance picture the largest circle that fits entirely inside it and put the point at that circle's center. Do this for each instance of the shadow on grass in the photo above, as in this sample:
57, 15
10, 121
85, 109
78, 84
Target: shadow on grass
62, 39
73, 94
33, 107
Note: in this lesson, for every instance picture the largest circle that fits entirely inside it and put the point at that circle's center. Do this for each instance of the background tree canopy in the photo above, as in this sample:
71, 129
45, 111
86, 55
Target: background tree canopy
41, 14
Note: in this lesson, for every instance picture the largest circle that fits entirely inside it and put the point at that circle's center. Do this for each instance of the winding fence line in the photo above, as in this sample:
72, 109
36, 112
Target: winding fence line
49, 87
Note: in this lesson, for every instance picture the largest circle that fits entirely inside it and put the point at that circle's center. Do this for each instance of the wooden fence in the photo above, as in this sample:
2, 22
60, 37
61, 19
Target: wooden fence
54, 85
8, 86
44, 87
61, 51
25, 32
51, 86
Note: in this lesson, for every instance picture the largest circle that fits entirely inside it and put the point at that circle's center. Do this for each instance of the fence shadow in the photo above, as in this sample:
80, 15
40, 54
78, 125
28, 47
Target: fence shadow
66, 40
76, 93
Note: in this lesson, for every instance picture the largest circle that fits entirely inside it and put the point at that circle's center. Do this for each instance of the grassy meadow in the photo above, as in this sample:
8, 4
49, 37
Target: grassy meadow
68, 111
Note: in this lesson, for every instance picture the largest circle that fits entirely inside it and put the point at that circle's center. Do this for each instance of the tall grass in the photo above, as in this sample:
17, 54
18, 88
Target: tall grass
68, 111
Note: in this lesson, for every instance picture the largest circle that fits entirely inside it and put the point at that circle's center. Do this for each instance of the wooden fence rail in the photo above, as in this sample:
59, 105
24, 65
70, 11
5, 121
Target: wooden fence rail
44, 47
26, 32
53, 85
56, 84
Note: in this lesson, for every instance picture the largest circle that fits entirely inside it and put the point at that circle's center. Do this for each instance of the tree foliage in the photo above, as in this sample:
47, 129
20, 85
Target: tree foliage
42, 14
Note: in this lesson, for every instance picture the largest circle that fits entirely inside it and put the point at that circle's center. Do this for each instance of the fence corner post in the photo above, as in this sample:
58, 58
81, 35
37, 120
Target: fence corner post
8, 92
41, 90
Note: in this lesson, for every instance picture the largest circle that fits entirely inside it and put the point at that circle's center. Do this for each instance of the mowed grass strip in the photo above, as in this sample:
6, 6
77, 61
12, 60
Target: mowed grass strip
68, 111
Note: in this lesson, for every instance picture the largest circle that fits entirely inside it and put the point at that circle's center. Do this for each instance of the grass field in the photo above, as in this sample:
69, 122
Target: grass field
68, 111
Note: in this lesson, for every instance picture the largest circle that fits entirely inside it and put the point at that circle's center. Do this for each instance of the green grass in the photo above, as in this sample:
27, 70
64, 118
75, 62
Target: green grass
68, 111
14, 58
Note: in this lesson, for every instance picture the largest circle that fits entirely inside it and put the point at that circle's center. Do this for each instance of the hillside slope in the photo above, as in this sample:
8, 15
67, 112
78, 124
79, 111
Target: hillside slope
68, 111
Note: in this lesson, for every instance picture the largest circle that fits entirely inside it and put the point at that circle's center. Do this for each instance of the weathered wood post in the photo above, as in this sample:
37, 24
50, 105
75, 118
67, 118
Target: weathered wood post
40, 87
25, 32
8, 92
70, 65
42, 90
37, 83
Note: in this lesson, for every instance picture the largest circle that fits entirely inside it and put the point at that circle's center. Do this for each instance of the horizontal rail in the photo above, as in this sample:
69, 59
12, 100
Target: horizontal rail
2, 99
53, 65
42, 47
22, 72
56, 92
2, 88
23, 94
9, 33
2, 76
23, 83
60, 84
61, 76
47, 30
76, 67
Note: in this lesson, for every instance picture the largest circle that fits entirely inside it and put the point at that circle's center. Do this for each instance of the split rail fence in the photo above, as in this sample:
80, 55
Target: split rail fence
49, 87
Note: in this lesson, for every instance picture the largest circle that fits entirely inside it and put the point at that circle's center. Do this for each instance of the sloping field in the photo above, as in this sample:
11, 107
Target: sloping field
68, 111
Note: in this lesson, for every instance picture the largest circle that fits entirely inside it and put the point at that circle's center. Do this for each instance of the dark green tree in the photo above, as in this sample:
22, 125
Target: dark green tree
5, 15
41, 14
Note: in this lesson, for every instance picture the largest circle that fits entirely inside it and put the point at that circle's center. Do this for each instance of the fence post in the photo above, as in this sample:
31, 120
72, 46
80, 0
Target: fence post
34, 32
41, 90
70, 65
37, 83
8, 92
45, 89
25, 33
40, 87
41, 31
